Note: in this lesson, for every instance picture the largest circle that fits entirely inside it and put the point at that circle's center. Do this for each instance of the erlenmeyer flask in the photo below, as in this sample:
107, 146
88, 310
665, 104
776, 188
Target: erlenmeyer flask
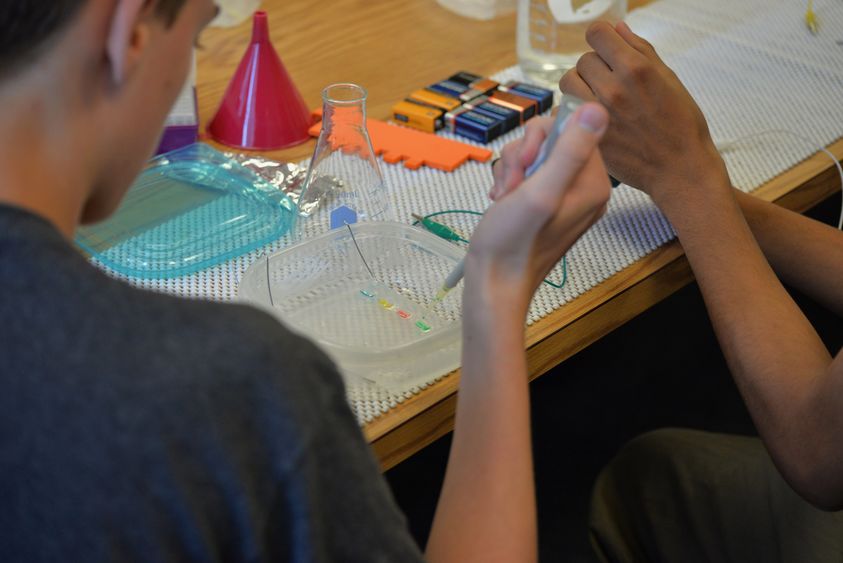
344, 184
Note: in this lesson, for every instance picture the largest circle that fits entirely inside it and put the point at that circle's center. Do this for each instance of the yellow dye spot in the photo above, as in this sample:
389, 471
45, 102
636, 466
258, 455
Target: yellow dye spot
811, 18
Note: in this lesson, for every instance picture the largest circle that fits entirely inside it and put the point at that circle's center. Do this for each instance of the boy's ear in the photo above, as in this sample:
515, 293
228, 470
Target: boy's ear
127, 37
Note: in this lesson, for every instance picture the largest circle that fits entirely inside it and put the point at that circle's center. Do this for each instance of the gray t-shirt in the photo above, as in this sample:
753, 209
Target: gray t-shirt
140, 427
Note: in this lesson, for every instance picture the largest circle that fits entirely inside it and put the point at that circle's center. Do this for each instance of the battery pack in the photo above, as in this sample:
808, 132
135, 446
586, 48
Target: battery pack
542, 96
511, 118
419, 117
474, 125
475, 82
455, 90
433, 99
526, 107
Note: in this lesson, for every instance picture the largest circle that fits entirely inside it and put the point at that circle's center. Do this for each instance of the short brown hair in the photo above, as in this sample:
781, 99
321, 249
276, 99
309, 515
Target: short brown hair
28, 26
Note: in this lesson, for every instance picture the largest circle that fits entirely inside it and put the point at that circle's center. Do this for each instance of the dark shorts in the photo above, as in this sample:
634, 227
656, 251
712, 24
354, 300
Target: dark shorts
686, 496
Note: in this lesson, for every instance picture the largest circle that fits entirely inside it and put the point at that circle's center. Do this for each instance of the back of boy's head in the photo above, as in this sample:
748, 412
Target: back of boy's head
90, 83
27, 27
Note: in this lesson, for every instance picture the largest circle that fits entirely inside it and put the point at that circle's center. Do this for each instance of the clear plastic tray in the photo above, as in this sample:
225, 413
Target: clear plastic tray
190, 209
322, 288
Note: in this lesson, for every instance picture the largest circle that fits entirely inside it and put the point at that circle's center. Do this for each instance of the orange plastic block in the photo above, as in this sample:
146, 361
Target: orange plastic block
415, 148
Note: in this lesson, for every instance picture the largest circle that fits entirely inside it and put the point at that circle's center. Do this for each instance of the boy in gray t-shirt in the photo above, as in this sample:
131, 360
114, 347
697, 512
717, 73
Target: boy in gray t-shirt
140, 427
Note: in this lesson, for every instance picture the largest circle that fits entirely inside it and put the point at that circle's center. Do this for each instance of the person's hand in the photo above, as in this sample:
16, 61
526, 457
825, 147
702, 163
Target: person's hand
517, 156
526, 232
658, 140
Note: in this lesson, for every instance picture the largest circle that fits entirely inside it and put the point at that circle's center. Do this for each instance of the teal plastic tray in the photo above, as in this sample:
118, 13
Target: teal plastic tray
190, 209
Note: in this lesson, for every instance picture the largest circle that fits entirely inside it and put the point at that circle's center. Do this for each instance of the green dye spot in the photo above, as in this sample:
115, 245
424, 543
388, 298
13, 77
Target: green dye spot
366, 293
422, 326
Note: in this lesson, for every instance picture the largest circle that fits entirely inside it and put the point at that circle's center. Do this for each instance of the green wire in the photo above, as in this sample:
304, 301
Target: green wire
450, 211
448, 233
564, 275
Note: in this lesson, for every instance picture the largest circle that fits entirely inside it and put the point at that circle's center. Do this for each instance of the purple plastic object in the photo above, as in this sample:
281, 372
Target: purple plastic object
176, 137
262, 109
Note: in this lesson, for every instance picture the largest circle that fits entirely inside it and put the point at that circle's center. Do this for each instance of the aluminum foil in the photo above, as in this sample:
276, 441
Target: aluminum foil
289, 178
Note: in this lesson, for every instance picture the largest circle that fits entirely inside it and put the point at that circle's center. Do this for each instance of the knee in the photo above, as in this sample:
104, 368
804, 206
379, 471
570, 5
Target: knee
653, 450
649, 460
641, 478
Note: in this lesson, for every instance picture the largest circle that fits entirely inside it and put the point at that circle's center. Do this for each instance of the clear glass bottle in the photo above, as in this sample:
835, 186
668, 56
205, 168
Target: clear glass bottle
479, 9
550, 36
344, 184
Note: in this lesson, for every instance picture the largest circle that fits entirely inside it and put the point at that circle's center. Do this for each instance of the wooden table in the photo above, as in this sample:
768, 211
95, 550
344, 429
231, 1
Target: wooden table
393, 47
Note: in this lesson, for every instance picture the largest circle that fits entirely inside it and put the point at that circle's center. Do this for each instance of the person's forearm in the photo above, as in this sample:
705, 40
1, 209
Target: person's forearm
486, 510
806, 254
776, 357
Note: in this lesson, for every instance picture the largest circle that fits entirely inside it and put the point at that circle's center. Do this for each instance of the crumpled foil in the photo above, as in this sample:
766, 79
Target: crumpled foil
289, 178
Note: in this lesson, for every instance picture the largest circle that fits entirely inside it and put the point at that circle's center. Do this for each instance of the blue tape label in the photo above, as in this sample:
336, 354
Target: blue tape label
342, 216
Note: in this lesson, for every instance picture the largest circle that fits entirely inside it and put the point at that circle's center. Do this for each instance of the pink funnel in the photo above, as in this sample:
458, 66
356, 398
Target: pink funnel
261, 109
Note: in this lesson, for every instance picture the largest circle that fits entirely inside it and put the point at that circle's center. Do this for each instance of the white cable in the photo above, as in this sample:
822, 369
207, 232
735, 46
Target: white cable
726, 146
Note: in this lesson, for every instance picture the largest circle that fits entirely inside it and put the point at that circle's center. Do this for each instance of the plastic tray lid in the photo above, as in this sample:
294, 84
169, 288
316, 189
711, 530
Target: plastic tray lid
190, 209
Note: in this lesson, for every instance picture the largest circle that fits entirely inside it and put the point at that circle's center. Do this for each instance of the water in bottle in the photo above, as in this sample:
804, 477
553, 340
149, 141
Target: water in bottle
551, 33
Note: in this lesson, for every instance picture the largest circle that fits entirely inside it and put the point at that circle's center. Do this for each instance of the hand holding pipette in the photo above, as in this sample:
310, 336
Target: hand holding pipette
567, 107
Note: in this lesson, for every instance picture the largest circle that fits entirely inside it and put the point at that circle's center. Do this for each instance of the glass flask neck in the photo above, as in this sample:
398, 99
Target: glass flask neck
344, 104
344, 119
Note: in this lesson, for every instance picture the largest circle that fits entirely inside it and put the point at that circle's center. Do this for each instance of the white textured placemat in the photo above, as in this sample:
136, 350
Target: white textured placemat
751, 65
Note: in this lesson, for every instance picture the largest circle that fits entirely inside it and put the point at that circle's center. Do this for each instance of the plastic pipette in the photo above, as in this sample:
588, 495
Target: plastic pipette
567, 106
